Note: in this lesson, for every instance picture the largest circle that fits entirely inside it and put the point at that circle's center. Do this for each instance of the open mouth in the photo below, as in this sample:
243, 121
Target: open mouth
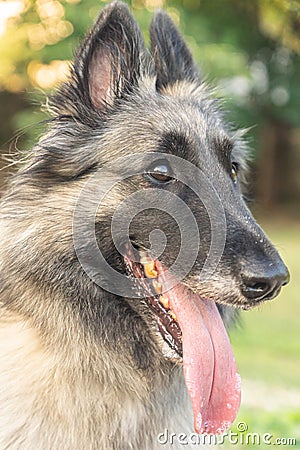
194, 331
145, 269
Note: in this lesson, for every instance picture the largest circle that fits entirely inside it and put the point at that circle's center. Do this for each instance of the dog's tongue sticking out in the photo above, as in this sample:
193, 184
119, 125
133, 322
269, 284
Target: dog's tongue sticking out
210, 370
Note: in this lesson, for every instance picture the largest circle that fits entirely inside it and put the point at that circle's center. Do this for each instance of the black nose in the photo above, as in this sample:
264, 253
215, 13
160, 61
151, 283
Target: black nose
266, 284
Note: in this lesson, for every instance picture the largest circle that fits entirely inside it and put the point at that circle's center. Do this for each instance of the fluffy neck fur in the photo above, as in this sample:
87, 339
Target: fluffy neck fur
49, 401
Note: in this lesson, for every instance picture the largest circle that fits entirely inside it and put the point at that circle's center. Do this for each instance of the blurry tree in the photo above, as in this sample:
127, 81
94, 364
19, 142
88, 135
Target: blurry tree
249, 48
253, 48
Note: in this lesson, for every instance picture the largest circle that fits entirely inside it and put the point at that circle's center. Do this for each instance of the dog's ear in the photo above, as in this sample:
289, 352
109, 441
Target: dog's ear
107, 65
173, 60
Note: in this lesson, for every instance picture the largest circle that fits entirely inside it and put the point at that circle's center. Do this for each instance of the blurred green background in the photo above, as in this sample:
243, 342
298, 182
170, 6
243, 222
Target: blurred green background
249, 50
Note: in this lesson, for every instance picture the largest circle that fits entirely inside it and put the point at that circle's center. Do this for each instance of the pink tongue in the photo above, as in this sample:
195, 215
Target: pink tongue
210, 370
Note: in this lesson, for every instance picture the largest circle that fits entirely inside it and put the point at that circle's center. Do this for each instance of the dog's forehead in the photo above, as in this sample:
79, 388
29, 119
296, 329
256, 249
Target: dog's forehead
198, 149
179, 142
185, 126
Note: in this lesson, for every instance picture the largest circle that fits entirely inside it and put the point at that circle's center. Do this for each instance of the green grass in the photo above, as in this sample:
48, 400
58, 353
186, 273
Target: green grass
267, 348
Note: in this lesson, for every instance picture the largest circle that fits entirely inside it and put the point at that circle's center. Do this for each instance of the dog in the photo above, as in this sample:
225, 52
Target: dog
91, 362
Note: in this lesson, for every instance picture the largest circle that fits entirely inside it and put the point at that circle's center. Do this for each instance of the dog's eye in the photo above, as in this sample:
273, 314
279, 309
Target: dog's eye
160, 172
234, 172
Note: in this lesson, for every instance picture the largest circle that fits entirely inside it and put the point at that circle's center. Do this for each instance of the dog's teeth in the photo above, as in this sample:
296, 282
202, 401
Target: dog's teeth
143, 254
173, 315
164, 301
157, 286
150, 272
149, 269
146, 260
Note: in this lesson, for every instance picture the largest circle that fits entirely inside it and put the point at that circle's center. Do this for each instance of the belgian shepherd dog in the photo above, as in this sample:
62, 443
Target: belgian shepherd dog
103, 345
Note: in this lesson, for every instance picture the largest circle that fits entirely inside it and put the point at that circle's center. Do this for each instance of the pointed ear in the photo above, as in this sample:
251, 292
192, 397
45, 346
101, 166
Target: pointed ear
107, 65
173, 60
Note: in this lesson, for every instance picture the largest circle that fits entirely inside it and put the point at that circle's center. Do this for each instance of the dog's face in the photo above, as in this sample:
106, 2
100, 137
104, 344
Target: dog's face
167, 110
155, 115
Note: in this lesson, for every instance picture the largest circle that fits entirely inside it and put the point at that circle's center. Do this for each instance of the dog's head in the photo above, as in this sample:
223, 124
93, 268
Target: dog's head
141, 134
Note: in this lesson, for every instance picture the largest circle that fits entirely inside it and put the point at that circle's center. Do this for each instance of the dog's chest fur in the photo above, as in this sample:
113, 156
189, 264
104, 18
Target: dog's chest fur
45, 407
